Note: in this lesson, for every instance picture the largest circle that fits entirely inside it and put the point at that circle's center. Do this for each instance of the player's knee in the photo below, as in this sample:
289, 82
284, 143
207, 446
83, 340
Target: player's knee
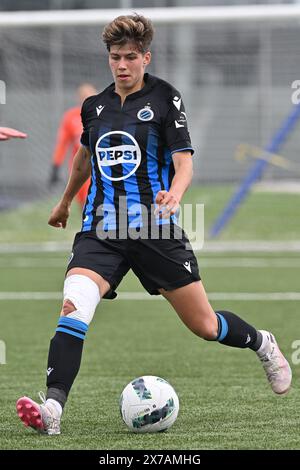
67, 308
81, 297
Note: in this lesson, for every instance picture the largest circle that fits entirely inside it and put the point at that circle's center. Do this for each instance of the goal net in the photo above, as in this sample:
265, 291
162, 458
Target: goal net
234, 66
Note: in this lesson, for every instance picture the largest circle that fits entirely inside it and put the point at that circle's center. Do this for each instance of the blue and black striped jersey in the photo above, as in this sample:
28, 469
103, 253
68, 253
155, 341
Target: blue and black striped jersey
131, 147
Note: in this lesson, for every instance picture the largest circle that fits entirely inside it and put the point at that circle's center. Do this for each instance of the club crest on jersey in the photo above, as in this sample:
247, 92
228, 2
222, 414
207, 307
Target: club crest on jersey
117, 149
145, 114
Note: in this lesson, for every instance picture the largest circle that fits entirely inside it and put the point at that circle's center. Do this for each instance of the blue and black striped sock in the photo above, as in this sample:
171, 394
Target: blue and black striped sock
72, 327
65, 354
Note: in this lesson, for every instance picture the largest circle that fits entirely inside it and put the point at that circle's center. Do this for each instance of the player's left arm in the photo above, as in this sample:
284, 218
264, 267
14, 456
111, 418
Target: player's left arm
168, 201
177, 140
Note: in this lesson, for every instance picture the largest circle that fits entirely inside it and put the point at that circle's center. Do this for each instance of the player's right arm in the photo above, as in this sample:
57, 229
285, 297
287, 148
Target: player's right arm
81, 171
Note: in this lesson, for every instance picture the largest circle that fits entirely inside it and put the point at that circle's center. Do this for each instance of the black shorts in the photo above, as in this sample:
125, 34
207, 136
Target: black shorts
158, 263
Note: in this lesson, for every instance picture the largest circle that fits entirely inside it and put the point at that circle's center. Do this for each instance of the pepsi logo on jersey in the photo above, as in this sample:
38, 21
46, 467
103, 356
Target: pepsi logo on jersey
127, 154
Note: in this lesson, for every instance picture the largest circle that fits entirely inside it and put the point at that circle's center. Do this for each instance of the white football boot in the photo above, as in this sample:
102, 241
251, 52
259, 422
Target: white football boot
44, 418
276, 366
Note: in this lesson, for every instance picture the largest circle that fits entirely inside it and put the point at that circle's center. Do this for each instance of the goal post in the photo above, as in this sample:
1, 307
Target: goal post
234, 66
173, 15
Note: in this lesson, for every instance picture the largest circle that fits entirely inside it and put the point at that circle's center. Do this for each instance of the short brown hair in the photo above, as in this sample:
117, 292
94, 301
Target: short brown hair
132, 28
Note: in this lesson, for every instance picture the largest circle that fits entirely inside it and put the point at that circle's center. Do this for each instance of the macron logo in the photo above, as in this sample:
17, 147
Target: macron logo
187, 266
177, 102
178, 125
99, 109
49, 370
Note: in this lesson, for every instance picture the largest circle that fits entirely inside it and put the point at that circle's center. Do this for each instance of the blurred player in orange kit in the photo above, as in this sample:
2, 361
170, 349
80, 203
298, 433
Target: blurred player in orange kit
68, 140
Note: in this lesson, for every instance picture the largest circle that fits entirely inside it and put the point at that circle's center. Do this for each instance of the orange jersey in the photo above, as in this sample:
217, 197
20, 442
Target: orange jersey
68, 136
68, 141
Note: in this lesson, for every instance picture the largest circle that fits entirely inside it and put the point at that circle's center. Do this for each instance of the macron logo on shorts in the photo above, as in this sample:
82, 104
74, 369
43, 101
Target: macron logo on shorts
187, 266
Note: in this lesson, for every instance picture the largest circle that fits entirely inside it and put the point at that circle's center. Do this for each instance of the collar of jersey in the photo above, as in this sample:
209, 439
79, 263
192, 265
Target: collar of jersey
149, 83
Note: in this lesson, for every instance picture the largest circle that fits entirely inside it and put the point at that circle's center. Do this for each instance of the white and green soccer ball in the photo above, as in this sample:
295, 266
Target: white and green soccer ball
149, 404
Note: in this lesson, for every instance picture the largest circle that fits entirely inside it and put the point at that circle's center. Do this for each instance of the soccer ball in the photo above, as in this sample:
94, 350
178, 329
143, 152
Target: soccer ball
149, 404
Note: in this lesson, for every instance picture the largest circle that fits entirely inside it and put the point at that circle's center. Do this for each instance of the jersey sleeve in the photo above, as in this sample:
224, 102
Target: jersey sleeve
84, 139
177, 136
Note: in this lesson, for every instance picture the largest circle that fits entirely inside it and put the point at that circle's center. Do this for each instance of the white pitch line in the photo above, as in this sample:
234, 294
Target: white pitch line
42, 247
251, 246
30, 295
261, 296
244, 262
241, 296
33, 263
249, 262
209, 246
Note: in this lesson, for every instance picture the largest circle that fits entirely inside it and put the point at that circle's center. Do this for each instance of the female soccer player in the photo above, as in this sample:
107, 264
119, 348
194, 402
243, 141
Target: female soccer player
136, 146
